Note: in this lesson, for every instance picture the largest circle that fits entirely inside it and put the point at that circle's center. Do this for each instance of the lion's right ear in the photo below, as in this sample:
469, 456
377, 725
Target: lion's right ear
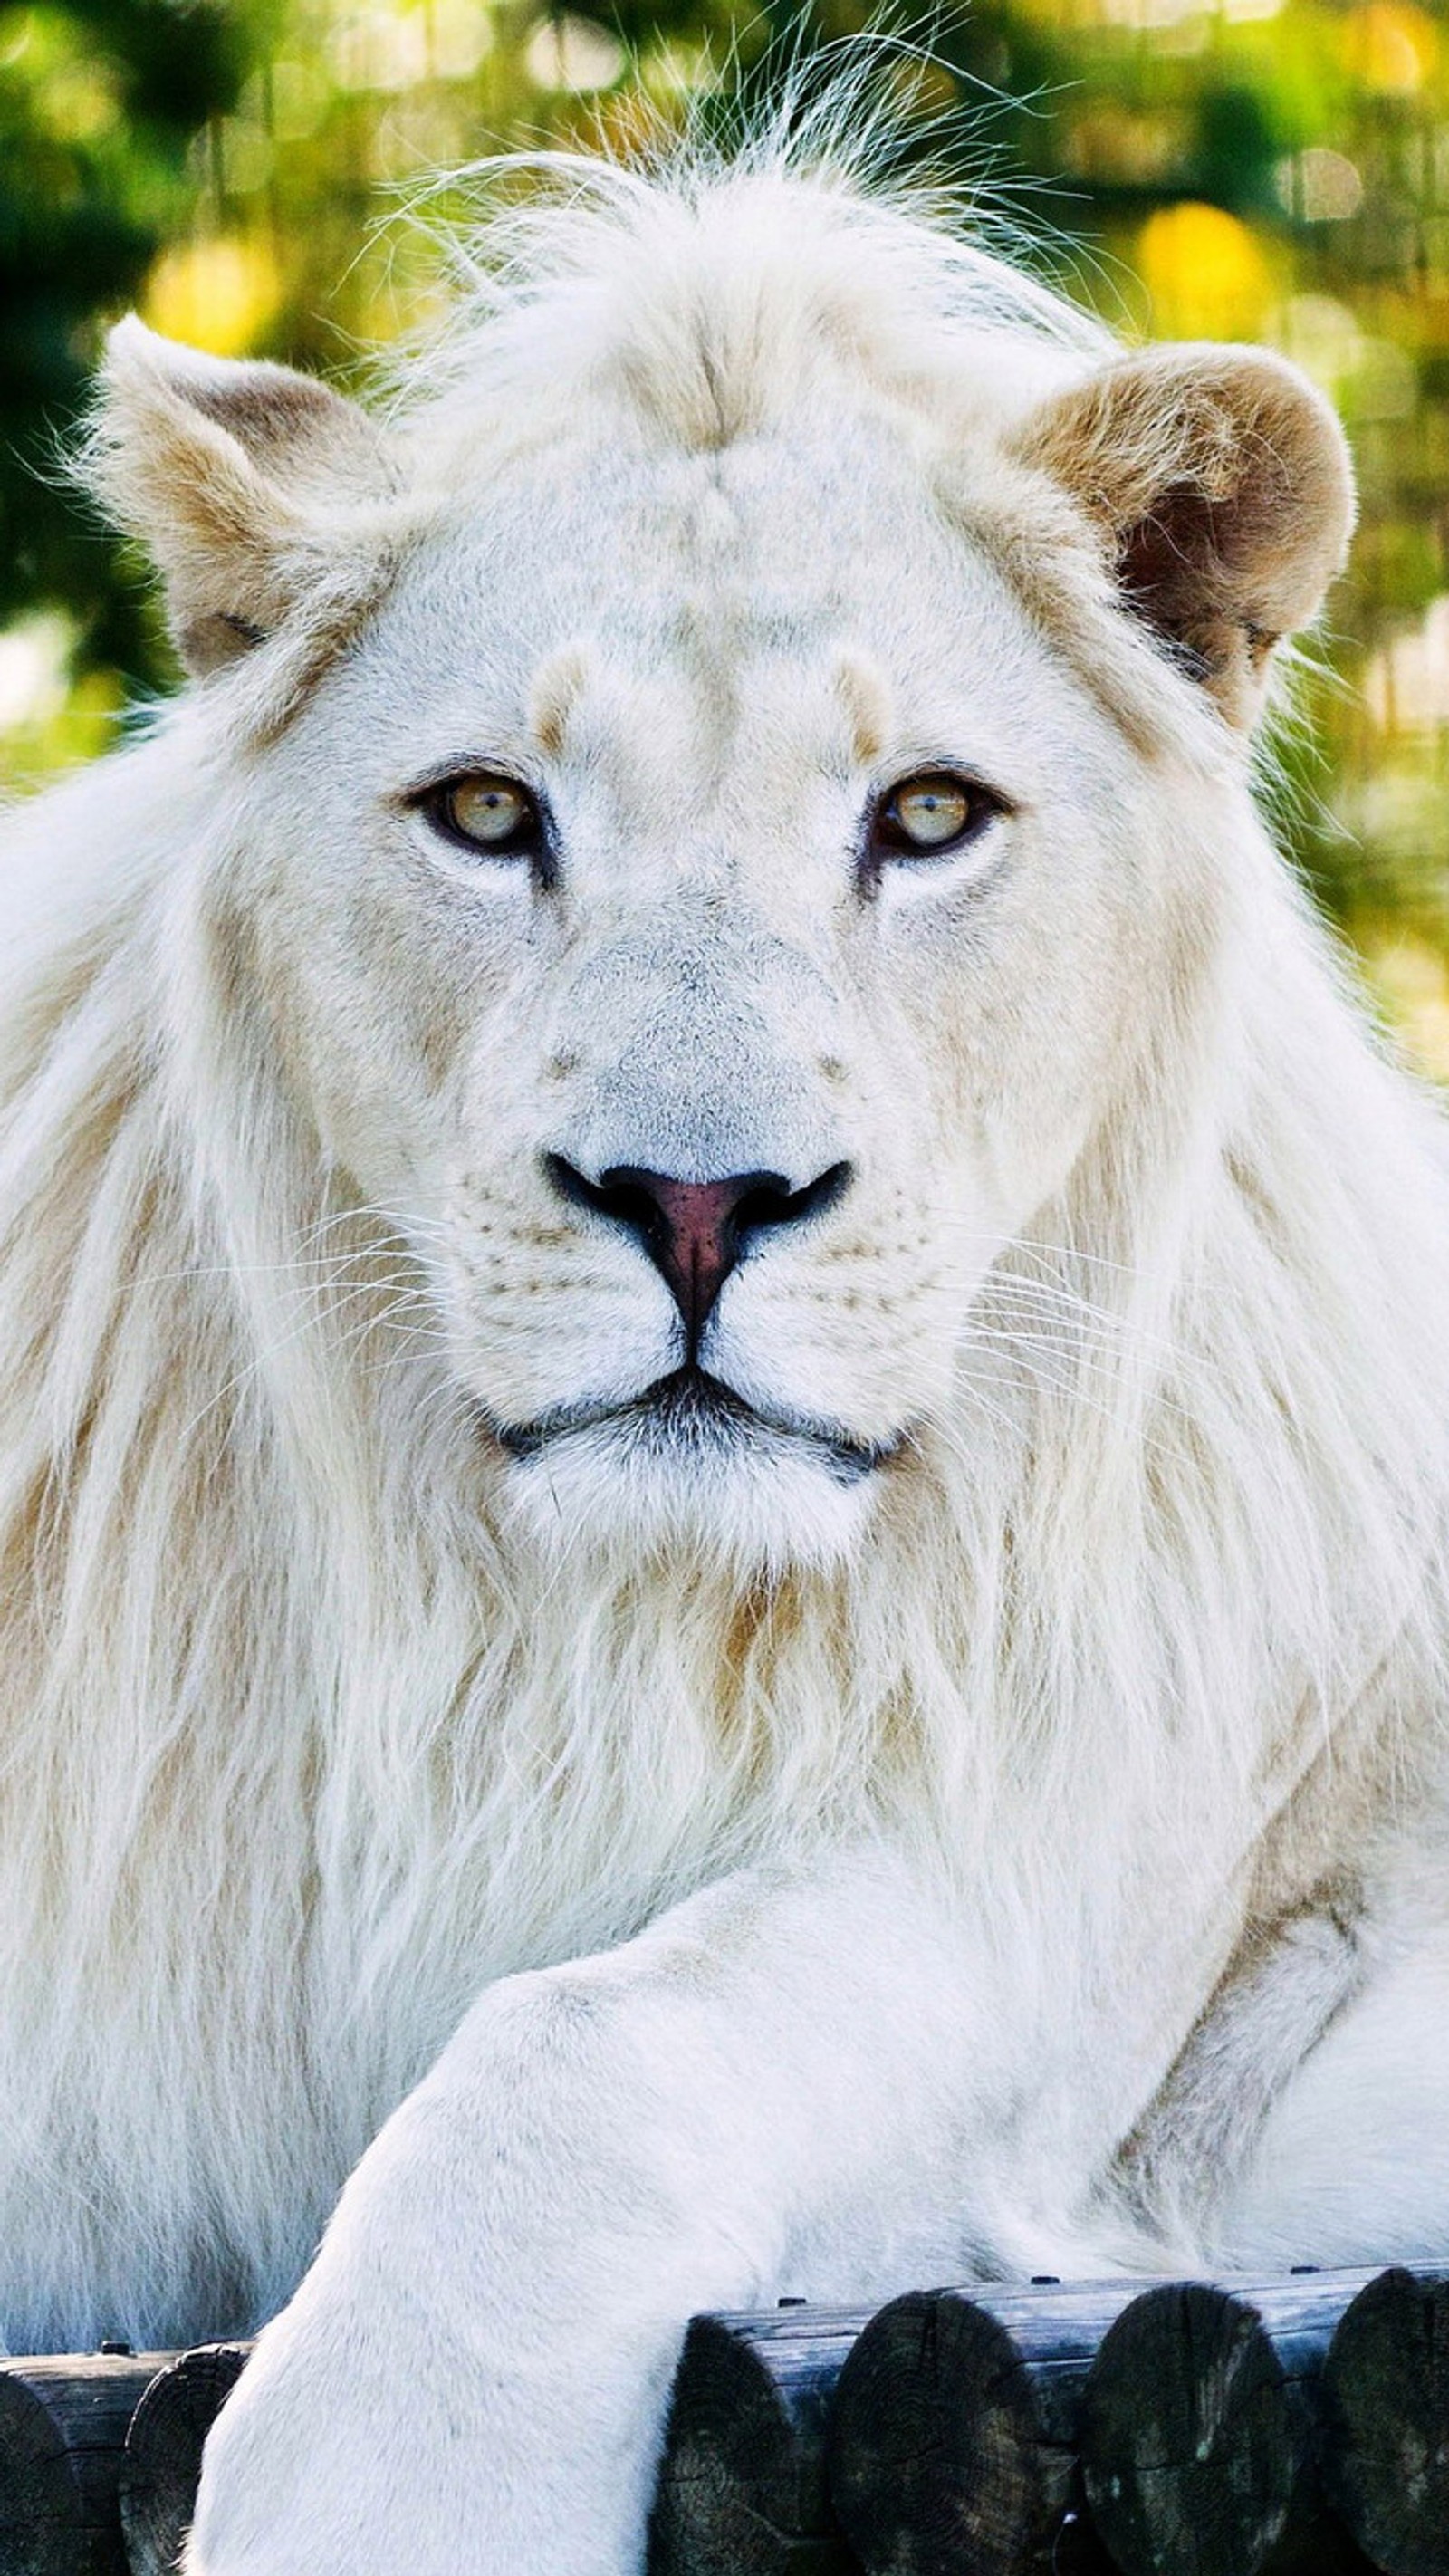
237, 477
1219, 484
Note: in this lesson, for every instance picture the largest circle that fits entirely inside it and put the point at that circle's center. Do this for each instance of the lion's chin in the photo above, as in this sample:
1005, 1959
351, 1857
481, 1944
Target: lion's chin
696, 1473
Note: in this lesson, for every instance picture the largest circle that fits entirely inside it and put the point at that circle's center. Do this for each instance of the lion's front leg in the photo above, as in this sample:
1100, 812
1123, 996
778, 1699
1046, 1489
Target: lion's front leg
474, 2373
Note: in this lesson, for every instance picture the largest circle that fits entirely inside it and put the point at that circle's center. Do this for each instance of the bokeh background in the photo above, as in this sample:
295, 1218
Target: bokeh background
1254, 169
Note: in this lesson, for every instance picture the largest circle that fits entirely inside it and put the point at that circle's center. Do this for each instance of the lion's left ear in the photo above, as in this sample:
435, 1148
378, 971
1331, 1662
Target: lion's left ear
1220, 481
248, 484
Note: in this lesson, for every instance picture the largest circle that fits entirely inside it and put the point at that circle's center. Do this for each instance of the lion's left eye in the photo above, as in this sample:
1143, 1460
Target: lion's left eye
931, 815
490, 813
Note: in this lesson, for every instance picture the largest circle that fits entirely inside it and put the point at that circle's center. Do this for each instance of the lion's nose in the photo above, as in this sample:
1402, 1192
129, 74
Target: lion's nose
695, 1231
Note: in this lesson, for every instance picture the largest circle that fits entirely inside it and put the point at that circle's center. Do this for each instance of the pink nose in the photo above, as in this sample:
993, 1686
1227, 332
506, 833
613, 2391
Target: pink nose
691, 1229
695, 1231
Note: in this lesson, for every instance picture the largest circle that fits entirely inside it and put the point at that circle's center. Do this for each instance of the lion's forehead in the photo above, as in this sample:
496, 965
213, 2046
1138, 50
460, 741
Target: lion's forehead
756, 503
709, 600
781, 533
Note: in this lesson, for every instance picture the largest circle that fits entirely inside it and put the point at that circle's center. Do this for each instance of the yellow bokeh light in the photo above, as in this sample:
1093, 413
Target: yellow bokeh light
1206, 274
218, 295
1412, 982
1392, 46
78, 102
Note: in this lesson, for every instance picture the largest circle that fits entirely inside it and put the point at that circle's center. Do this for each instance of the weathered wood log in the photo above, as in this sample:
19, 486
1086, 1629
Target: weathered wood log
742, 2489
956, 2433
162, 2462
1188, 2442
1195, 2444
1202, 2433
1386, 2422
62, 2429
952, 2448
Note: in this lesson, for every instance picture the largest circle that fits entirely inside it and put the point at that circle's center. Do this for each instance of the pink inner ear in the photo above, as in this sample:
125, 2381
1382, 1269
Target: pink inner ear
1223, 483
1177, 570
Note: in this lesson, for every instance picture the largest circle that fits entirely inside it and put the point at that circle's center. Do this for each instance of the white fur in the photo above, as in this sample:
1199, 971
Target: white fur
847, 1869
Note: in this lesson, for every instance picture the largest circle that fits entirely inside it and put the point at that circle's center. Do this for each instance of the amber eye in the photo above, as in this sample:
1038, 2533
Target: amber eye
489, 813
931, 815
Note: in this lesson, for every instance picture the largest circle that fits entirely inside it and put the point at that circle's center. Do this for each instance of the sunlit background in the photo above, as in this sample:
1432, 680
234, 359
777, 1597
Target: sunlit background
1260, 169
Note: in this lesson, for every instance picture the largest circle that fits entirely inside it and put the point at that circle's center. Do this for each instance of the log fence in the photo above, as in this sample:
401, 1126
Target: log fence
1239, 2427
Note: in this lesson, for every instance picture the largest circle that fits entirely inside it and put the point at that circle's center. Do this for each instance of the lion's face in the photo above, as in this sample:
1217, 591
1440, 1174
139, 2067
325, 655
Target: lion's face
707, 915
716, 824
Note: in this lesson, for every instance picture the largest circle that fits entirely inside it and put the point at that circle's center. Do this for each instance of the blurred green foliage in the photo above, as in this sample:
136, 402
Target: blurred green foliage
99, 100
1274, 169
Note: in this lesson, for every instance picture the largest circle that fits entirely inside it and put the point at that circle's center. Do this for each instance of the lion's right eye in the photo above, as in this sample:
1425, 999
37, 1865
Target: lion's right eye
932, 816
487, 813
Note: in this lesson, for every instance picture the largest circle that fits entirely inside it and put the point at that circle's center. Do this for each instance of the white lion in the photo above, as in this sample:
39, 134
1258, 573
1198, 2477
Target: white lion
725, 1375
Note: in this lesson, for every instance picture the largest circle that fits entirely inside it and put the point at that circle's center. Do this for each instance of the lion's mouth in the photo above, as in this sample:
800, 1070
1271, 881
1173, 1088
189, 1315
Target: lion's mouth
691, 1414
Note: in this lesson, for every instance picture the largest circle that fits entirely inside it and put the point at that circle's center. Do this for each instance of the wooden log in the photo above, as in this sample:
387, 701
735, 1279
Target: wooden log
1386, 2422
939, 2438
952, 2448
62, 2430
742, 2490
162, 2463
1195, 2451
1202, 2434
